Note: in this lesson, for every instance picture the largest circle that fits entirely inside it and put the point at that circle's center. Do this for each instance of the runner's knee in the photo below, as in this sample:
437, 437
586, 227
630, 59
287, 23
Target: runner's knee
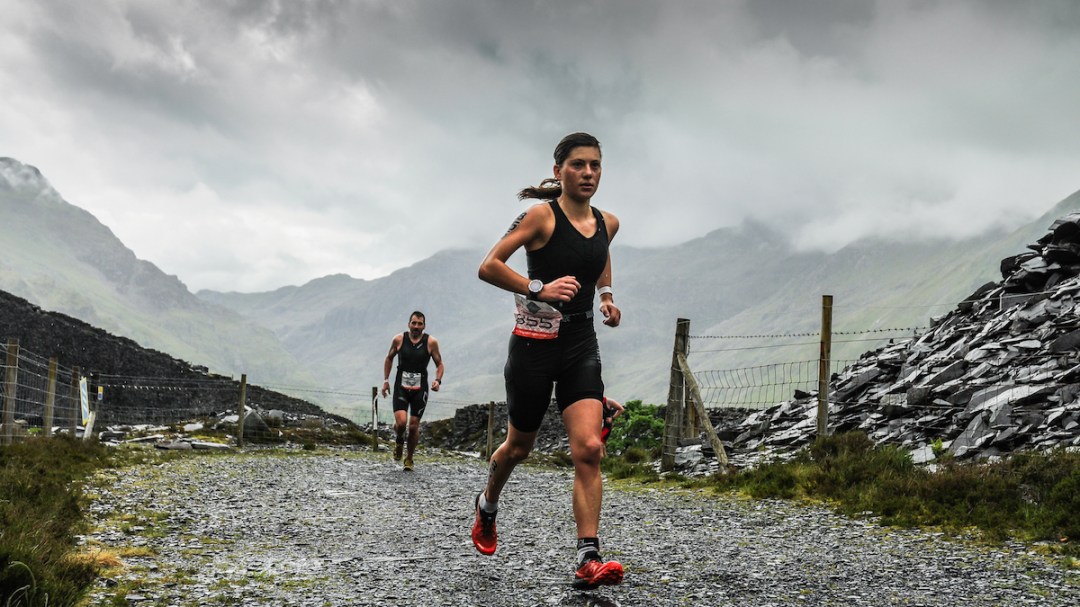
587, 452
516, 452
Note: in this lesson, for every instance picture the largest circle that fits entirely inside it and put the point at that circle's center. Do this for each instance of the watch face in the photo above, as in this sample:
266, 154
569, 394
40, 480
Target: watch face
535, 286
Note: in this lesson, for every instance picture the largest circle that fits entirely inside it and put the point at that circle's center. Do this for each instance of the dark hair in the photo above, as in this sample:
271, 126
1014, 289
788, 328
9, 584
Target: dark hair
550, 188
418, 314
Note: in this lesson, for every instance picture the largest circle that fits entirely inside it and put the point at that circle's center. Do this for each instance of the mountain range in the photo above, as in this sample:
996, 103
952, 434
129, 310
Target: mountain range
325, 340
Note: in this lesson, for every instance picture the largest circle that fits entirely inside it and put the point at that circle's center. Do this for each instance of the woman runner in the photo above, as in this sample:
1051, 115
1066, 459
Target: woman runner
554, 342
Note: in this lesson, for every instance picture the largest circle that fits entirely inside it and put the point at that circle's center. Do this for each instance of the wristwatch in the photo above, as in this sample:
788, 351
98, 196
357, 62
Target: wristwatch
535, 286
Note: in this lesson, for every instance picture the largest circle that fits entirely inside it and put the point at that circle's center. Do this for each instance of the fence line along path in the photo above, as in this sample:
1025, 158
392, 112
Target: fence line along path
352, 529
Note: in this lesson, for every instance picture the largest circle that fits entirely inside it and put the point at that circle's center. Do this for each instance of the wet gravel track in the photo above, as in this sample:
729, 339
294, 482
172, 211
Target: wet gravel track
266, 529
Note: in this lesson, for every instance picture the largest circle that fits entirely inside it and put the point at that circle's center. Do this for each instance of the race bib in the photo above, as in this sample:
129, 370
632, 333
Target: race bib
410, 380
535, 319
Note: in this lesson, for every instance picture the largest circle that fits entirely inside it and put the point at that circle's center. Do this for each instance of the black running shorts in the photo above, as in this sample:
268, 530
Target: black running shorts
570, 363
416, 400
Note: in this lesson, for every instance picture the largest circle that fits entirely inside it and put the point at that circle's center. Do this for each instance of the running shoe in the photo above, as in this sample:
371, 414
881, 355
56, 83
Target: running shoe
595, 572
408, 463
484, 536
397, 450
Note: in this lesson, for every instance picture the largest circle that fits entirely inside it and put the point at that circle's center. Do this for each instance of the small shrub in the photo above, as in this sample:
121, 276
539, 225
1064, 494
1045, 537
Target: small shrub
635, 455
639, 426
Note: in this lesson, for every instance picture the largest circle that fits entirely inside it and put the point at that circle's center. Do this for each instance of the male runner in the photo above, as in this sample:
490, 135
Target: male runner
413, 349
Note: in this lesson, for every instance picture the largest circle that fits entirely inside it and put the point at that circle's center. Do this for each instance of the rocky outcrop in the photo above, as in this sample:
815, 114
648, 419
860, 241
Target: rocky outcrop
999, 373
467, 430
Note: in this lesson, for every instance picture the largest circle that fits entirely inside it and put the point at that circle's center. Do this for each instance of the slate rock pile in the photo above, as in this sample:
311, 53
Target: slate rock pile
168, 389
467, 430
999, 373
259, 425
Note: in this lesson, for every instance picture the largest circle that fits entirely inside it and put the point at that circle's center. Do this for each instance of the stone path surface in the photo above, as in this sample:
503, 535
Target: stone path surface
266, 529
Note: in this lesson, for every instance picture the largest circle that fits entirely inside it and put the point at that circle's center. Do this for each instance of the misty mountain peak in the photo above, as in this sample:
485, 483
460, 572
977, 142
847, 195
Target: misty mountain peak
26, 181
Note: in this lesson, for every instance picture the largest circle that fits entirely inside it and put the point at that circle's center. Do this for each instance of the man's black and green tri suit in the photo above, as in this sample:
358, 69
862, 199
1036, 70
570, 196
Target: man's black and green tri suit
411, 381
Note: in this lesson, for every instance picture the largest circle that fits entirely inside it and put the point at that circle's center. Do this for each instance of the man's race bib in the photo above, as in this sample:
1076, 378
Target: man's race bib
535, 319
410, 380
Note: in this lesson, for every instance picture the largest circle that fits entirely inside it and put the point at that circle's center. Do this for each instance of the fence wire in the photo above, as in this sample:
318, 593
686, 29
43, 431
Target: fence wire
148, 402
760, 386
26, 399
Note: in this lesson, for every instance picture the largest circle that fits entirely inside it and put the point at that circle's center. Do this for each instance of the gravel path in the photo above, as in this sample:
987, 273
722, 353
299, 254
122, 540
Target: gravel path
262, 529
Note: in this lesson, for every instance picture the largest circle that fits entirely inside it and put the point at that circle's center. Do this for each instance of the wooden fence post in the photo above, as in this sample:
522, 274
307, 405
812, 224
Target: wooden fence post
242, 406
374, 418
73, 396
10, 385
50, 397
673, 417
699, 407
491, 430
823, 367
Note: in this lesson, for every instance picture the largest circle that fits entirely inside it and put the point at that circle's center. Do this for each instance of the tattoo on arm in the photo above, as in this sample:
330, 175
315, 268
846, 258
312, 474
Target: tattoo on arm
516, 223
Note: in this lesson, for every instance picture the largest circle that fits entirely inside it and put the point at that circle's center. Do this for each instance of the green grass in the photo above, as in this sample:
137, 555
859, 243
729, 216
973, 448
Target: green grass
41, 512
1030, 497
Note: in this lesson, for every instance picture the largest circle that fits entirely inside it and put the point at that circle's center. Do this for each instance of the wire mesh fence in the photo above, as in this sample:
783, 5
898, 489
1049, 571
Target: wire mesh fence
761, 386
40, 397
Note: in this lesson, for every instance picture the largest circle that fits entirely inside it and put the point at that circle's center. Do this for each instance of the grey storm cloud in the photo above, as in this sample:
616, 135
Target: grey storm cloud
298, 139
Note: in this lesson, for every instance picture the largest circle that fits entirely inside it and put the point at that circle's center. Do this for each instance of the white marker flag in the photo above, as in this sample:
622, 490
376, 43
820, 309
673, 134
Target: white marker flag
85, 399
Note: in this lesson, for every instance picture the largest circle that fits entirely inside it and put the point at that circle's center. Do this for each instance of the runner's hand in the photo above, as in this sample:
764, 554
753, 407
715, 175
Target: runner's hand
611, 313
385, 389
560, 289
612, 409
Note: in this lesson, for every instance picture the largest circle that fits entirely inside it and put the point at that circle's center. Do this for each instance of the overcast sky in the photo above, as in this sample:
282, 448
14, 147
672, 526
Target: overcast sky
248, 145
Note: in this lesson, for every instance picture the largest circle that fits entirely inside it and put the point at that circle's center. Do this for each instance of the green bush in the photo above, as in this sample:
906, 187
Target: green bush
640, 426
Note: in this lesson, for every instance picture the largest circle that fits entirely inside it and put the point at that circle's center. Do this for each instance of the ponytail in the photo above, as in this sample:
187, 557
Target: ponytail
549, 189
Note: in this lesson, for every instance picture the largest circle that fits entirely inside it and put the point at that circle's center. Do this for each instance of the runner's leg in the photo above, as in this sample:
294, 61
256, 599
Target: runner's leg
414, 434
399, 432
510, 453
583, 420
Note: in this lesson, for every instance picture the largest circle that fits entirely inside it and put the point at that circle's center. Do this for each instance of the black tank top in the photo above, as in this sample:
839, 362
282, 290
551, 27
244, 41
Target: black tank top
569, 253
413, 357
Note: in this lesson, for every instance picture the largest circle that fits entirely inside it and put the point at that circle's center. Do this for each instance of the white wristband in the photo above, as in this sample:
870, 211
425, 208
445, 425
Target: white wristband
603, 290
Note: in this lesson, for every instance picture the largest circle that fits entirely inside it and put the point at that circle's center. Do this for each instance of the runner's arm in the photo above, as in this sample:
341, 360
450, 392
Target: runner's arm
531, 230
436, 355
388, 363
611, 312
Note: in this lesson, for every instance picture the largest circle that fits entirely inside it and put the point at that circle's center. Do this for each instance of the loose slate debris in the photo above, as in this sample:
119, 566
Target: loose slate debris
351, 529
999, 373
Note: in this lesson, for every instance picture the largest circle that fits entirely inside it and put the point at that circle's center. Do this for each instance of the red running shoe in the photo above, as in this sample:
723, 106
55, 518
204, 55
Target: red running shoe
595, 573
484, 536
